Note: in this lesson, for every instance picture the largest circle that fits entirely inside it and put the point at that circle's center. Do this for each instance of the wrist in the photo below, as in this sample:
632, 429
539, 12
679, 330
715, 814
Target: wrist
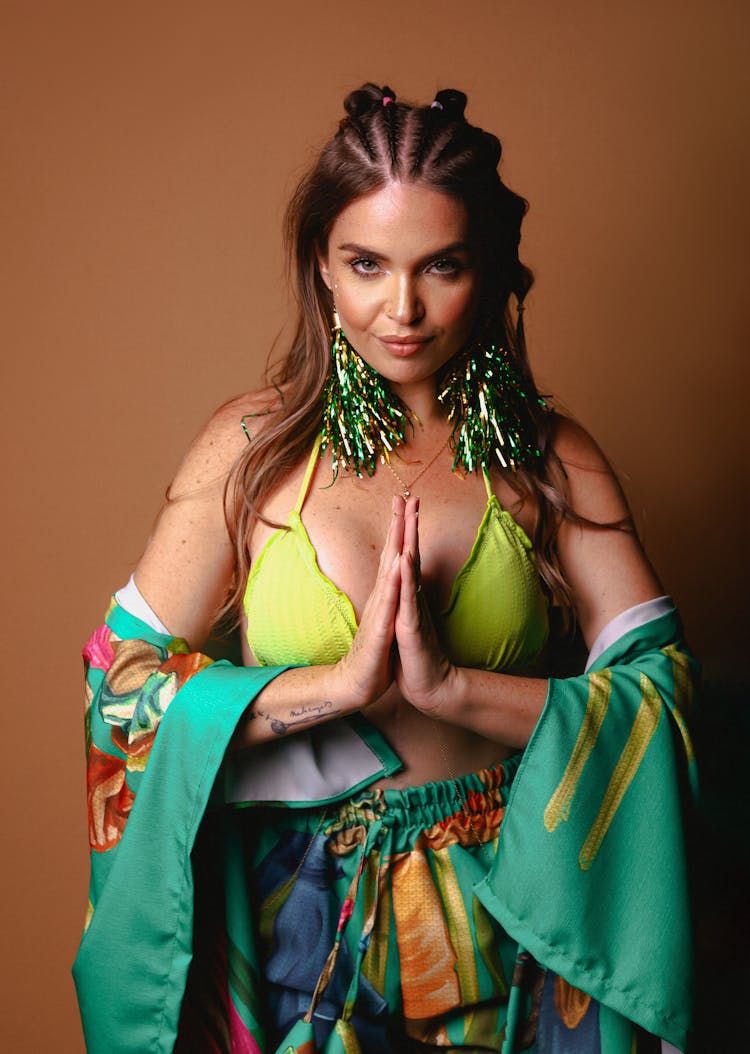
340, 688
444, 702
299, 698
453, 694
307, 684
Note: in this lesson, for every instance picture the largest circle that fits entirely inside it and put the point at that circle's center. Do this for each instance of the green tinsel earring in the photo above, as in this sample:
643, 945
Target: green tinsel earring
362, 418
491, 411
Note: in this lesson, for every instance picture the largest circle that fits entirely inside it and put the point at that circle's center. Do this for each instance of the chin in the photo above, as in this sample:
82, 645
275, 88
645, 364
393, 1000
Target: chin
409, 375
411, 369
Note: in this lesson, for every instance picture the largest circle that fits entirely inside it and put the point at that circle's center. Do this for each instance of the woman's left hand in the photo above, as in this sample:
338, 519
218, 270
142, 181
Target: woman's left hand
423, 673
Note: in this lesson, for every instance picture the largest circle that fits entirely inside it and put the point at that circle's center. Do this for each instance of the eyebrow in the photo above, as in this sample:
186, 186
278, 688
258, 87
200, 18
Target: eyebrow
362, 250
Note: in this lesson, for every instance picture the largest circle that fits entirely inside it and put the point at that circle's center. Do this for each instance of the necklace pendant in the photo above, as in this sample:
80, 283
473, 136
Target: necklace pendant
407, 494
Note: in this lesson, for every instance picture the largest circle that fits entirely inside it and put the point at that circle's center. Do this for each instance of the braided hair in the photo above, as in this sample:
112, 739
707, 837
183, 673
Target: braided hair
381, 139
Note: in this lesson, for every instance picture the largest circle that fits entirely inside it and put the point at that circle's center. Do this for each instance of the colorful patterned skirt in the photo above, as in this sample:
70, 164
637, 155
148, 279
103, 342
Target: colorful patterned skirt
372, 940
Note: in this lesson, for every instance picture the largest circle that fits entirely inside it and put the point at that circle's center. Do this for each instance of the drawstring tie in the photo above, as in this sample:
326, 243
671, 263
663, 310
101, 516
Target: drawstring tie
347, 910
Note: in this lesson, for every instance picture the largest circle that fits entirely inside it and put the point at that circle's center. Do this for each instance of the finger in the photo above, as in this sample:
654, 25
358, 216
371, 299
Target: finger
395, 535
377, 626
411, 526
380, 610
411, 539
408, 610
410, 565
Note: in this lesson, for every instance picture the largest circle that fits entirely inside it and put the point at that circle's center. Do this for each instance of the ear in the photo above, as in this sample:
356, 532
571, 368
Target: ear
323, 268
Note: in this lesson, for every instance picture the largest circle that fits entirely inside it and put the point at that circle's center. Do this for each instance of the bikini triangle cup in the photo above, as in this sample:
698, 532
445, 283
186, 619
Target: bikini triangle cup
496, 617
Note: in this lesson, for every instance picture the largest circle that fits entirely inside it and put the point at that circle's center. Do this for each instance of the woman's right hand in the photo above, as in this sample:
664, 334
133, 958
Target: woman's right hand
366, 671
304, 696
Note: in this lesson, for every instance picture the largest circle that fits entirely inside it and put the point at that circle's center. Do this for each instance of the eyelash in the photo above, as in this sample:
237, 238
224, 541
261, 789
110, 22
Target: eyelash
455, 267
356, 266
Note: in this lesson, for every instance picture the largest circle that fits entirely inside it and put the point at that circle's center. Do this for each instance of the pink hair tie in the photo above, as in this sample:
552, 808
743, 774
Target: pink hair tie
387, 99
436, 105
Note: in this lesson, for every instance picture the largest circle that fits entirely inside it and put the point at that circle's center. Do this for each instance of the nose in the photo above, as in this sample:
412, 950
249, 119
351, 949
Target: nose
404, 304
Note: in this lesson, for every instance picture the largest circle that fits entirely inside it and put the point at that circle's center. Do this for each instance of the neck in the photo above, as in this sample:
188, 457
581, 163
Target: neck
422, 400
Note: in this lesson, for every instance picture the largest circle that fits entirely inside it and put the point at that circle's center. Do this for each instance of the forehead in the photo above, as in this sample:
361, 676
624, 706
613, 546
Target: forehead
401, 217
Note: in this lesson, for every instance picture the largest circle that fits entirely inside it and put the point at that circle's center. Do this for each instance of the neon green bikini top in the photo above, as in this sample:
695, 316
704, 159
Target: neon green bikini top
496, 617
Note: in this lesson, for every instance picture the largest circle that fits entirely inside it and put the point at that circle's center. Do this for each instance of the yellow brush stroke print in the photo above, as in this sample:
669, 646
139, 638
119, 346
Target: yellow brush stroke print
642, 729
558, 807
347, 1038
487, 942
683, 694
459, 926
377, 900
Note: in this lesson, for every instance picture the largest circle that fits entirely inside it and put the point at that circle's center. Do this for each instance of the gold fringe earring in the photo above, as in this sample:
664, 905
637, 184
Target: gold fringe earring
362, 418
492, 413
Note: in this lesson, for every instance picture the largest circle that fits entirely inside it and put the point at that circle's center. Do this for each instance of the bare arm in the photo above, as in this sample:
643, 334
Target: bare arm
187, 568
313, 694
607, 569
608, 573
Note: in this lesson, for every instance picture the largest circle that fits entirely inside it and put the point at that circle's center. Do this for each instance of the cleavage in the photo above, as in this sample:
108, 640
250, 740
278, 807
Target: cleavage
440, 599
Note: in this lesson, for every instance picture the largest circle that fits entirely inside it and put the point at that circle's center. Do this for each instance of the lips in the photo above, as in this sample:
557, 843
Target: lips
404, 346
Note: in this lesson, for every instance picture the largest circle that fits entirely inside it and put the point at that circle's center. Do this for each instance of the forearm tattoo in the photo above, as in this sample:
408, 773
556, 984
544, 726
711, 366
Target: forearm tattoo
302, 715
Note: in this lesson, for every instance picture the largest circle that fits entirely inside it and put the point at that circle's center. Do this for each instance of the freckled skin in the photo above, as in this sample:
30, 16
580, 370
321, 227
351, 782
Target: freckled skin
400, 262
406, 281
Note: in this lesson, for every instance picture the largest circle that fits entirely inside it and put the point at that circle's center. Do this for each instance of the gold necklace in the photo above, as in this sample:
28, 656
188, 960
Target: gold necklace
406, 487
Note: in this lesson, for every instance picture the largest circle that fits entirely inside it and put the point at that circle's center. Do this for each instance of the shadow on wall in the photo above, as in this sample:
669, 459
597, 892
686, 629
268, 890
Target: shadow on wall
721, 870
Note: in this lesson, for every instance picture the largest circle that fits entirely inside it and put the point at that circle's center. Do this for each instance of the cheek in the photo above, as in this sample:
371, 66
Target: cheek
458, 309
358, 304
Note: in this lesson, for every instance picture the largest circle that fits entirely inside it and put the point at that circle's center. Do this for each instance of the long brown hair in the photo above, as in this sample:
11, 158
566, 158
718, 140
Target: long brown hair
378, 141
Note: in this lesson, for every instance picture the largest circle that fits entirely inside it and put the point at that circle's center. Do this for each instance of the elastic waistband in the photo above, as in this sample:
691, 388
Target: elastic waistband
432, 802
443, 792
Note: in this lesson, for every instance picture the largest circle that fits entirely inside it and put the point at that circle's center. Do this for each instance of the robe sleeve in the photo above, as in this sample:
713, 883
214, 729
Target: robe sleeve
159, 719
147, 794
590, 875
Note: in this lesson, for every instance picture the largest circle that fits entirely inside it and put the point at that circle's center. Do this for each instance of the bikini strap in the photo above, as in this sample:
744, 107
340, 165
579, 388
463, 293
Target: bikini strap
311, 464
487, 482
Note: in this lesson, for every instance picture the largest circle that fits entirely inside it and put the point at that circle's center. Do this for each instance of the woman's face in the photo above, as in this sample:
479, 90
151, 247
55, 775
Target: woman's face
404, 276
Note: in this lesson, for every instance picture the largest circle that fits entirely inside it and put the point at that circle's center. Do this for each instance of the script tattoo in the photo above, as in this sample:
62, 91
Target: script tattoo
303, 715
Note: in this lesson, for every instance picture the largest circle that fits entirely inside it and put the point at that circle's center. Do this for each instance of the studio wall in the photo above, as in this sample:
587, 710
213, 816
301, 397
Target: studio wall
148, 150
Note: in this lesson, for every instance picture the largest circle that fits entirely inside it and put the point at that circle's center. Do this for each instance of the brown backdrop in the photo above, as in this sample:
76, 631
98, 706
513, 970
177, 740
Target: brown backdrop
148, 149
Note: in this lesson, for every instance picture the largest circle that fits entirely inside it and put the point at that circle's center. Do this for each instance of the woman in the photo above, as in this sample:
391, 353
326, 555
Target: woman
397, 904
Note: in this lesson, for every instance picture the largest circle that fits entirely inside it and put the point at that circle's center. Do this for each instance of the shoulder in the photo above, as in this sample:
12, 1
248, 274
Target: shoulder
593, 489
187, 568
223, 439
575, 446
606, 568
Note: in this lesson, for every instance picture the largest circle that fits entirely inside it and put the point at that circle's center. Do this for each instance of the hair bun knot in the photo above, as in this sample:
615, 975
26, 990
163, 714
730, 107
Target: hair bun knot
493, 147
452, 103
368, 98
